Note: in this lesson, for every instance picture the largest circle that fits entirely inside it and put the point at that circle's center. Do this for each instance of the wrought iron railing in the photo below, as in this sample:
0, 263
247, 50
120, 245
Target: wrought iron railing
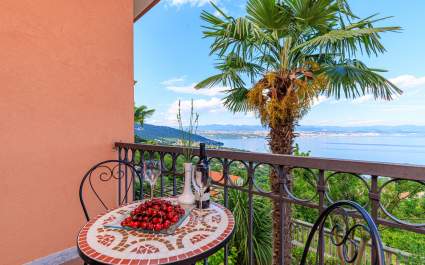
301, 229
320, 173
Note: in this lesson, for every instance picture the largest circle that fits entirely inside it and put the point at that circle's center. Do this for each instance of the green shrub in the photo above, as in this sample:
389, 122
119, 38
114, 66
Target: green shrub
297, 253
218, 258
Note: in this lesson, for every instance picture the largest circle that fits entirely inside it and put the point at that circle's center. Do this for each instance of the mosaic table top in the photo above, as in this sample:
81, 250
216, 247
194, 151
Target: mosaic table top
199, 233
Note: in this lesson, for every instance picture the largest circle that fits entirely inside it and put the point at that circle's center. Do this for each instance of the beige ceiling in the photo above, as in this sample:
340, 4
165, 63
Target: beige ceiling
142, 6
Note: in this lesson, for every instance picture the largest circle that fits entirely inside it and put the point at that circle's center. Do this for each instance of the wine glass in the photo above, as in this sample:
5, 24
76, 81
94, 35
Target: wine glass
152, 170
201, 182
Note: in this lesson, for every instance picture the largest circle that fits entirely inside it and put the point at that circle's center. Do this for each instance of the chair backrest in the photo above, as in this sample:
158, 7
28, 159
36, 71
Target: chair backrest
346, 210
121, 173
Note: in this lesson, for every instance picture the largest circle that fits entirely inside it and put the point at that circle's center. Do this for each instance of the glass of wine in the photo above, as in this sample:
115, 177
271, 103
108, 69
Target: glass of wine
152, 170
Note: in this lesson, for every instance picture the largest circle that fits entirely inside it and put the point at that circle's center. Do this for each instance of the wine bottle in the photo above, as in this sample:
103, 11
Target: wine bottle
202, 171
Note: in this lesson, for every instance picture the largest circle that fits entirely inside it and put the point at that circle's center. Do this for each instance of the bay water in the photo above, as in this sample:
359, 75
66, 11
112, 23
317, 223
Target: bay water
394, 148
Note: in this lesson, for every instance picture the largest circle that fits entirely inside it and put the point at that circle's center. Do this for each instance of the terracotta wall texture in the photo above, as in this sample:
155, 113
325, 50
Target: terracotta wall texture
66, 95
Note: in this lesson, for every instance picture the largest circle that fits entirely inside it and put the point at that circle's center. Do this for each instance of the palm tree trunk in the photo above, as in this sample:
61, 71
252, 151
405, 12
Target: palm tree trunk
281, 139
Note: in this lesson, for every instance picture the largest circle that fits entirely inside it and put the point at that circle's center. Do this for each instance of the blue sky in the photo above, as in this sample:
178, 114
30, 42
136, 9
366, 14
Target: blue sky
171, 56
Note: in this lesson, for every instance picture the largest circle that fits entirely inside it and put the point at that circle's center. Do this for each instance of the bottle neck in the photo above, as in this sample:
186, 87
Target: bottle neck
202, 154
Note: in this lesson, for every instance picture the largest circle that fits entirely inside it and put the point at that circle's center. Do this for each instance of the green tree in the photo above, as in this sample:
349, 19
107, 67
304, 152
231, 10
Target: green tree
142, 113
262, 227
282, 55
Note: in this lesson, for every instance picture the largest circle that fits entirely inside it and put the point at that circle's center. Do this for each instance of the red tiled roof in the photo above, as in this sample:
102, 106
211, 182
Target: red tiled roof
217, 176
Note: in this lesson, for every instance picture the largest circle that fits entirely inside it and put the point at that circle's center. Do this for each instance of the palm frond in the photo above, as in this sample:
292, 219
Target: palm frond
211, 81
319, 15
231, 68
219, 10
236, 100
268, 61
269, 16
141, 113
239, 36
367, 22
149, 113
352, 79
347, 42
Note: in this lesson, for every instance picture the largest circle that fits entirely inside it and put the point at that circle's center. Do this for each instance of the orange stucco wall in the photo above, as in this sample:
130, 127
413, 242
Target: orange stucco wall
66, 95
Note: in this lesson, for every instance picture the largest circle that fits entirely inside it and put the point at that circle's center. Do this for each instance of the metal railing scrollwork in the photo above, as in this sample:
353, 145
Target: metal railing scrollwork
243, 171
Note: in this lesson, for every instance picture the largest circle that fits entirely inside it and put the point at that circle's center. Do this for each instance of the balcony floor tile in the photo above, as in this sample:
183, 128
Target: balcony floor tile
77, 261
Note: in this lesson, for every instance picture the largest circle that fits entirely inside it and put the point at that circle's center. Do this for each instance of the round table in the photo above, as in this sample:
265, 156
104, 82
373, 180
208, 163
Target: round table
195, 239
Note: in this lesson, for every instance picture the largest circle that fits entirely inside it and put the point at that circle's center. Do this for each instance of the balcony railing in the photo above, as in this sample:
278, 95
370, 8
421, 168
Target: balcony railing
322, 174
301, 230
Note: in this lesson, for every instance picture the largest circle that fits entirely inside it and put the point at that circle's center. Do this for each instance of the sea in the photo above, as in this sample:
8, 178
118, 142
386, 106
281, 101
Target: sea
394, 148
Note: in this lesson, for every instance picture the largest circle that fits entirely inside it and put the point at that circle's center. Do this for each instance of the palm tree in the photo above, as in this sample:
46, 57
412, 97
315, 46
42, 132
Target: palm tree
282, 55
142, 113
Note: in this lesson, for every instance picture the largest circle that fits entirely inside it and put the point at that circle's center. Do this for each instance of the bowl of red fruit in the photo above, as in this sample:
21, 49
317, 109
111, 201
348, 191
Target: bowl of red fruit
154, 216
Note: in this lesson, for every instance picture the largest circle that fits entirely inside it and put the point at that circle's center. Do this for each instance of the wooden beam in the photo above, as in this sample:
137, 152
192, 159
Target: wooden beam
143, 6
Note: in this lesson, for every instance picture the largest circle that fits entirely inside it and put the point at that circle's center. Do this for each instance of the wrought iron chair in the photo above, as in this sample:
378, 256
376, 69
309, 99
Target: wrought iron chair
345, 234
125, 174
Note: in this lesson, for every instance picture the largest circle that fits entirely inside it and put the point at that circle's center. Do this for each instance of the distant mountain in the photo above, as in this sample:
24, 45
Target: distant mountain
231, 128
364, 129
308, 128
153, 132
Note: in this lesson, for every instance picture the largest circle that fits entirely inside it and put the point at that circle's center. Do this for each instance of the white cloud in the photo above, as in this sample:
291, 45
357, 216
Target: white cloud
173, 81
364, 122
250, 114
190, 2
413, 109
176, 85
210, 105
214, 91
408, 81
362, 99
359, 100
319, 100
352, 122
